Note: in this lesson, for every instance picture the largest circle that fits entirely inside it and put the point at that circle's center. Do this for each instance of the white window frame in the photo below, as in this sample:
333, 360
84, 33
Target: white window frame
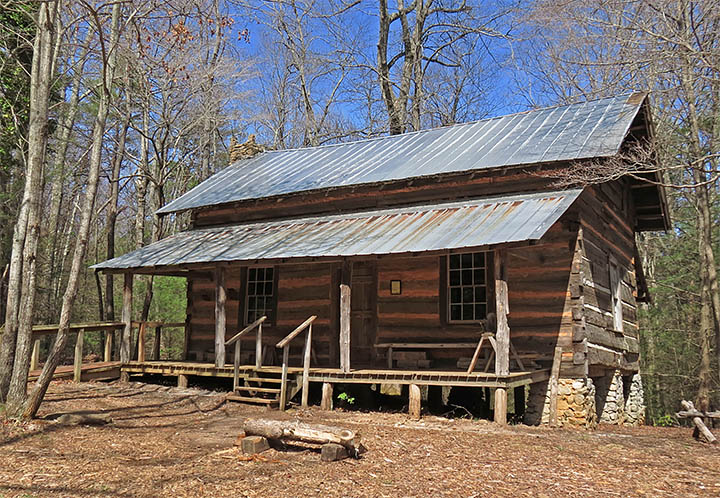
448, 287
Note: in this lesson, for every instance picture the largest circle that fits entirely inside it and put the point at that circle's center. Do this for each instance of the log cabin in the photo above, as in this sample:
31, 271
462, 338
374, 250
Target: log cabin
443, 257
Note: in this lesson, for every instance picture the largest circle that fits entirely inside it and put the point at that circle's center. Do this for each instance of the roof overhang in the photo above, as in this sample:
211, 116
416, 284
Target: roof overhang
409, 230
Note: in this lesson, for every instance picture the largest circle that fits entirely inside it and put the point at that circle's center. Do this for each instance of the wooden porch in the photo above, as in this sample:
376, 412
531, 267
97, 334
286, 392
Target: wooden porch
338, 376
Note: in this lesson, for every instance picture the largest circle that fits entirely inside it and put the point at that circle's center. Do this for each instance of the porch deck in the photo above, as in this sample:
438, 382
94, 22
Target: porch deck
427, 377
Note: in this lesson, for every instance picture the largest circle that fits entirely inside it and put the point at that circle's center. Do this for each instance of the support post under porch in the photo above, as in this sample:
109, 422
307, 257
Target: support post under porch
502, 334
220, 318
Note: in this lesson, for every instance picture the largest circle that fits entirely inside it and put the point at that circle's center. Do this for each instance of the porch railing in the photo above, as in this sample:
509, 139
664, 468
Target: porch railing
142, 331
285, 345
258, 348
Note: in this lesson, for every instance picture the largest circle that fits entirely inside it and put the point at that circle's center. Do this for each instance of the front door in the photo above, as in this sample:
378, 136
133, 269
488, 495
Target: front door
363, 313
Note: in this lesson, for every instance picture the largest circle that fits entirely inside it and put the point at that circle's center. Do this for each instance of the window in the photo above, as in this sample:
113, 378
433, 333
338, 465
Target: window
260, 294
616, 294
467, 287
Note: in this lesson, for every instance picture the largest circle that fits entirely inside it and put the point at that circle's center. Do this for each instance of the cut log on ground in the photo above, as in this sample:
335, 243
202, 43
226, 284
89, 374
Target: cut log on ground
298, 431
254, 444
83, 419
701, 430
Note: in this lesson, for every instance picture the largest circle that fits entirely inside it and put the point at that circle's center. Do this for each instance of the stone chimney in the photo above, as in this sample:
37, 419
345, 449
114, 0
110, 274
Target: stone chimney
245, 150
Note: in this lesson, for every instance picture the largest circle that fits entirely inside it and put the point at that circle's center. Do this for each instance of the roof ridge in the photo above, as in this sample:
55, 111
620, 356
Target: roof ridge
630, 95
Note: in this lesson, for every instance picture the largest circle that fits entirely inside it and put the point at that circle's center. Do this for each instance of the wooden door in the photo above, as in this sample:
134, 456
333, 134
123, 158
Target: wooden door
363, 313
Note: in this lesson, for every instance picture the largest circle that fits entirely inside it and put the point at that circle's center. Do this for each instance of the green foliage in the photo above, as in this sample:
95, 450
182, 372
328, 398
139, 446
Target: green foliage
665, 421
346, 398
17, 29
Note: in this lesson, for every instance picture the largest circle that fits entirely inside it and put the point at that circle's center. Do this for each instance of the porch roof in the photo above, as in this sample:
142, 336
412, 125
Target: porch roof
415, 229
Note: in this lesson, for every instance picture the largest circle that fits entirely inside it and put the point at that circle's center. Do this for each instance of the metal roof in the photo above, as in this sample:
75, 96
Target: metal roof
471, 223
564, 133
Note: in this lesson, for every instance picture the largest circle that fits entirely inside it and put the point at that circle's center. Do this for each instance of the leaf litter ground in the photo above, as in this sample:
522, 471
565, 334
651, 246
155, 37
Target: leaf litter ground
181, 442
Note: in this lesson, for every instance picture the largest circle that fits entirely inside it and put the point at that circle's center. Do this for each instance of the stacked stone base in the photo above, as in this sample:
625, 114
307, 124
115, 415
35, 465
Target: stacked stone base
585, 402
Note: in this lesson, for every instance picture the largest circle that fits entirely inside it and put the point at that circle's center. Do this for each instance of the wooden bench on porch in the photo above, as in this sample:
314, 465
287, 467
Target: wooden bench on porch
487, 339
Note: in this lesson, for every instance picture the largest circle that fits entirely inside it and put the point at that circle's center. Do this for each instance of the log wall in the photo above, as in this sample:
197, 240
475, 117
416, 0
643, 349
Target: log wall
301, 291
605, 233
559, 291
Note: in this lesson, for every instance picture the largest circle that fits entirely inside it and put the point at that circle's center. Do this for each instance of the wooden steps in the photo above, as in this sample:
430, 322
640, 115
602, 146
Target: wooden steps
262, 388
251, 399
260, 380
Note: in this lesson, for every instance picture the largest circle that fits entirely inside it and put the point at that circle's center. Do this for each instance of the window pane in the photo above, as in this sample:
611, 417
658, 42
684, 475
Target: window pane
467, 312
455, 294
455, 277
467, 277
466, 260
252, 274
479, 277
480, 294
260, 274
454, 261
251, 289
251, 303
268, 273
467, 295
479, 259
455, 312
480, 311
268, 288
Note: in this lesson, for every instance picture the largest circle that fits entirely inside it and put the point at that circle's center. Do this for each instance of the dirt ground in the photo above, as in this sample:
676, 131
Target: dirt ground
171, 442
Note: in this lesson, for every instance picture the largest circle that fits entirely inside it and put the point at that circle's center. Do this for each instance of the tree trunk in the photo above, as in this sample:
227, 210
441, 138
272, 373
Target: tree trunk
31, 406
112, 213
17, 340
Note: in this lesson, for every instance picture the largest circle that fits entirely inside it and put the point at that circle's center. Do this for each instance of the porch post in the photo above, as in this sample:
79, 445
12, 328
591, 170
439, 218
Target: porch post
502, 334
220, 298
126, 318
345, 328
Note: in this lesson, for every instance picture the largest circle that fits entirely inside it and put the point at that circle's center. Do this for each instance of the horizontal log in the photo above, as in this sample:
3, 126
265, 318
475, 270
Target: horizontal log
299, 431
697, 413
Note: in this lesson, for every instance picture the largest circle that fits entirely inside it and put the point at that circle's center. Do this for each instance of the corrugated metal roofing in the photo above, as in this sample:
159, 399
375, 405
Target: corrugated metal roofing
565, 133
456, 225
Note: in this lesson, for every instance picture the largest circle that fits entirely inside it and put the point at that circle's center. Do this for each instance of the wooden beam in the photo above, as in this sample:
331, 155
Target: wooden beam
306, 367
220, 318
182, 380
35, 358
414, 404
141, 342
502, 334
126, 318
501, 406
107, 353
344, 327
700, 426
283, 377
77, 363
327, 397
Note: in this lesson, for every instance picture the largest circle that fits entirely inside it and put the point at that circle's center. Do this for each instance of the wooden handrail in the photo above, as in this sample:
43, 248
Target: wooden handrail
295, 332
245, 330
285, 344
258, 348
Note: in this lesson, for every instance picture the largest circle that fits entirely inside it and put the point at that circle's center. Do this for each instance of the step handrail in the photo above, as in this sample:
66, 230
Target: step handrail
295, 332
258, 348
285, 344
